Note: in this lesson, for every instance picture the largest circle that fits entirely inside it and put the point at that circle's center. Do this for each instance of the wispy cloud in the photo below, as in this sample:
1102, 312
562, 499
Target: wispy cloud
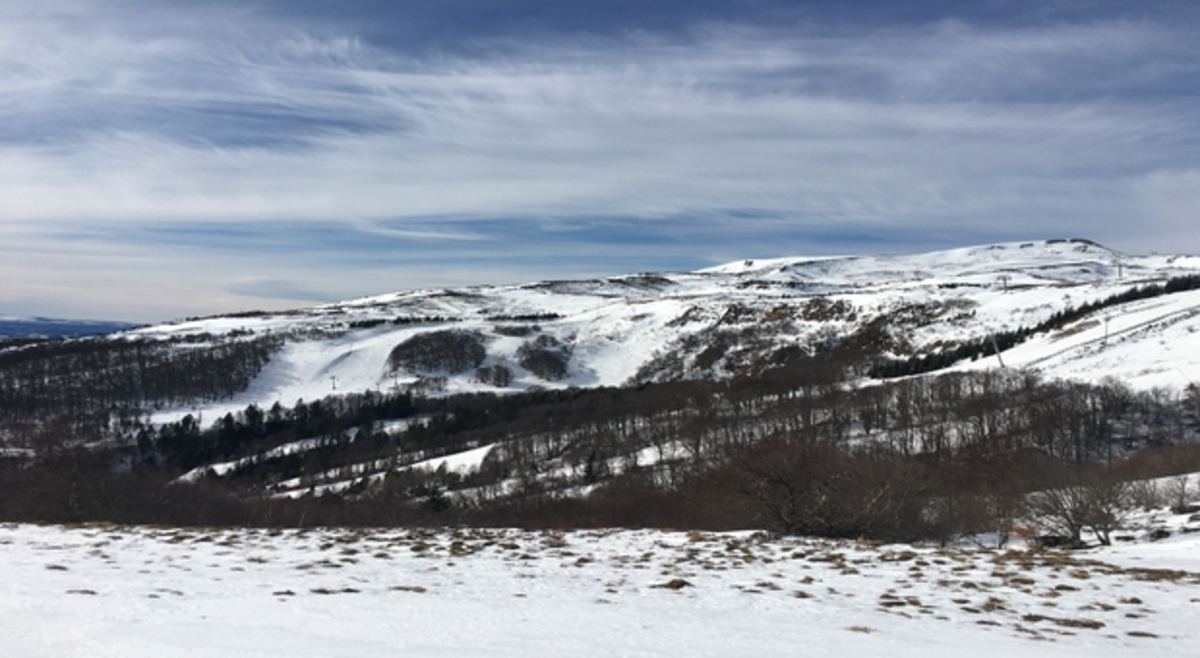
164, 128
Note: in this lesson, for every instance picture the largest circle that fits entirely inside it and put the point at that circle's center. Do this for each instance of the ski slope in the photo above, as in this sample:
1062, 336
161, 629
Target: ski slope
621, 328
1152, 343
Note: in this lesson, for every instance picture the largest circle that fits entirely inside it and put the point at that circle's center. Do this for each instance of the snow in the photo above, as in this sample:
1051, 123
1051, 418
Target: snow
1148, 343
459, 462
142, 591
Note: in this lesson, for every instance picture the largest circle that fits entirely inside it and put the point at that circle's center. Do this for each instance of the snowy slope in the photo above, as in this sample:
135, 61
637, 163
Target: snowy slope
163, 592
1146, 344
657, 325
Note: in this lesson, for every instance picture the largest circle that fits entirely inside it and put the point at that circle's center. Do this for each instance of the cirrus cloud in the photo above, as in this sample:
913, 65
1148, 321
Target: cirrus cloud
716, 140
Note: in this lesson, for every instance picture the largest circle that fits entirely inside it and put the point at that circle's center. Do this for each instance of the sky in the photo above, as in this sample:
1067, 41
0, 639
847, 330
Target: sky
164, 159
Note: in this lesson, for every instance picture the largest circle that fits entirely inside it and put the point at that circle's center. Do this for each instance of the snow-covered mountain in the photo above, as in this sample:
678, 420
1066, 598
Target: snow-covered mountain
733, 318
217, 399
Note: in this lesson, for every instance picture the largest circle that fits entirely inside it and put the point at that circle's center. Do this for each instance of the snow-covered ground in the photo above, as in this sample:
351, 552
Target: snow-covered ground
1145, 344
140, 591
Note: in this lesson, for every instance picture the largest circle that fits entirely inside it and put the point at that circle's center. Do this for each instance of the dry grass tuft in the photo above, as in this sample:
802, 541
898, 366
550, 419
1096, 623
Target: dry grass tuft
993, 604
1066, 623
1158, 575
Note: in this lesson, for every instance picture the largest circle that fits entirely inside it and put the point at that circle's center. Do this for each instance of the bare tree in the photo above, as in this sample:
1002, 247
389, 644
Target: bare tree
1094, 501
1177, 492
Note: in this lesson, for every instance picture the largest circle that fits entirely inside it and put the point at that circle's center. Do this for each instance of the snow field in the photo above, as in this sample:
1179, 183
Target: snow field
1147, 344
139, 591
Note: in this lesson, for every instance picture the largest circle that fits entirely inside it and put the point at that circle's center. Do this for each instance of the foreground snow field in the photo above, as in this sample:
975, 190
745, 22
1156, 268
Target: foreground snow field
122, 591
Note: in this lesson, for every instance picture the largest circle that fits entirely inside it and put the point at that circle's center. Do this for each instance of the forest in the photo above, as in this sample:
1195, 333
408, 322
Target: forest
797, 447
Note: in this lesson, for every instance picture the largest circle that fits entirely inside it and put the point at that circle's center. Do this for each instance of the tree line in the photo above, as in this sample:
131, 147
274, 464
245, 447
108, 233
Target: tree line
91, 389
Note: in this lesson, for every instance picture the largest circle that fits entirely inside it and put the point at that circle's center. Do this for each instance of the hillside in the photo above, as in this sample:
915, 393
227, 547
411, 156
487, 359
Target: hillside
792, 394
734, 318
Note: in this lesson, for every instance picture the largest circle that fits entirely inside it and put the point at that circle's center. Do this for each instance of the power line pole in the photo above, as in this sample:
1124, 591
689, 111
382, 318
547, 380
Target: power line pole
997, 348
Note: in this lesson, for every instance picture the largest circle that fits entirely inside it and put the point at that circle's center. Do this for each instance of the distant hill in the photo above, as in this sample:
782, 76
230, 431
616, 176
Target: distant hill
11, 328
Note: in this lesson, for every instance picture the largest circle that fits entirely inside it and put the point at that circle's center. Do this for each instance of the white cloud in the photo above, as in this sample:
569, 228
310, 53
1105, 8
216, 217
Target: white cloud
217, 115
1168, 210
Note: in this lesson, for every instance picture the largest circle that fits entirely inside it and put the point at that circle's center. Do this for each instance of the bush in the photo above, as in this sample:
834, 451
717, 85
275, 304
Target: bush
450, 350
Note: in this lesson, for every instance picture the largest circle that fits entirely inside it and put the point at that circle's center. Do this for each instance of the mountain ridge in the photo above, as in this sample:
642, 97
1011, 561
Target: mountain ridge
715, 322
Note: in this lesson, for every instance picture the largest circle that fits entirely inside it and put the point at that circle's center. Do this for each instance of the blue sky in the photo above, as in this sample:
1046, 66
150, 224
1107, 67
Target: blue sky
167, 159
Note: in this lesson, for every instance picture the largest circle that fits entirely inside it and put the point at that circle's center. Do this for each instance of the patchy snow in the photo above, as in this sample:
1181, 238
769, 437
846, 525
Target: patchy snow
291, 448
161, 592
